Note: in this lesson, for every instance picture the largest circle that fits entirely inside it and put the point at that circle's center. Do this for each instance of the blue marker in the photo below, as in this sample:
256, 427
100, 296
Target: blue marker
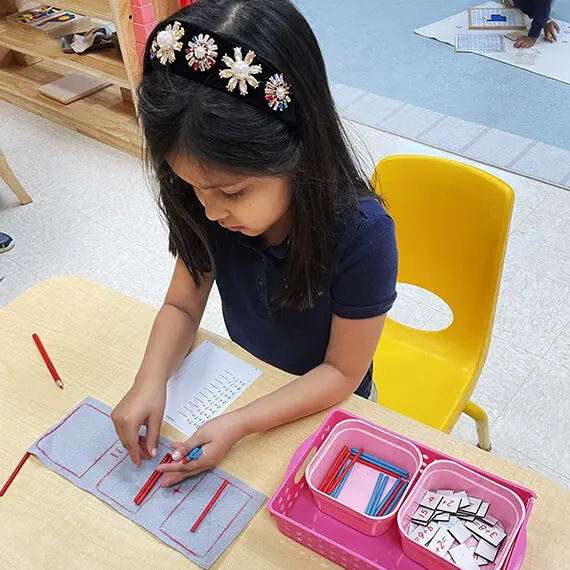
194, 454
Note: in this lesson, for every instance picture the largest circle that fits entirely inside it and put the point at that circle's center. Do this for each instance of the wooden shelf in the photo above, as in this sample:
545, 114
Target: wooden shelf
103, 116
100, 9
106, 64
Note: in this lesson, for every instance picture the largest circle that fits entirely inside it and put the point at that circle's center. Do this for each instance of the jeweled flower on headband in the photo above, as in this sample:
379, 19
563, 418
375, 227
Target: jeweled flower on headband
241, 71
277, 92
166, 43
201, 52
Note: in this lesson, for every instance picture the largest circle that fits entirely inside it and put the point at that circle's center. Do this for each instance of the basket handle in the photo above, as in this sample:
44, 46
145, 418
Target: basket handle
301, 454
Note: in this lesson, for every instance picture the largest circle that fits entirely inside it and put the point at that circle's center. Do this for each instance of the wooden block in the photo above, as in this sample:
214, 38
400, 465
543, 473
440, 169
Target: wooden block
143, 14
6, 57
25, 60
127, 95
72, 87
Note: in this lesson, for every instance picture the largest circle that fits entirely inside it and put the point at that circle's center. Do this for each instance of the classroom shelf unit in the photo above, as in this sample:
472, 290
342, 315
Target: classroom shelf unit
29, 60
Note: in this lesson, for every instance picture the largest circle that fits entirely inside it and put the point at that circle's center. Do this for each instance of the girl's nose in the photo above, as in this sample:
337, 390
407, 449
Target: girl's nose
214, 208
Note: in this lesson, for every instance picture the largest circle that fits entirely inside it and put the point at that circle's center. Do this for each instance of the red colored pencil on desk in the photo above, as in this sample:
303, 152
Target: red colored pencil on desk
48, 361
209, 506
15, 472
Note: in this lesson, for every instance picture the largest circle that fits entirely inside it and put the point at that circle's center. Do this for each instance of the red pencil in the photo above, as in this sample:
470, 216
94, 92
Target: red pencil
48, 361
16, 471
152, 480
210, 505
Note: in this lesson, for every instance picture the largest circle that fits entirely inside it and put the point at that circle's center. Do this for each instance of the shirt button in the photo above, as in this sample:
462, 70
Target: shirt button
260, 284
262, 259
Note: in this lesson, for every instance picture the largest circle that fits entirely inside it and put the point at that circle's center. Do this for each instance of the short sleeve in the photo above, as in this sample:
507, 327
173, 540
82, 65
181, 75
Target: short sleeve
364, 283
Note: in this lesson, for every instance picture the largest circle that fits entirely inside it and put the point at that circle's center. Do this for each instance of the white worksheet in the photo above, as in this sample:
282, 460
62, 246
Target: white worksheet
489, 43
507, 18
207, 382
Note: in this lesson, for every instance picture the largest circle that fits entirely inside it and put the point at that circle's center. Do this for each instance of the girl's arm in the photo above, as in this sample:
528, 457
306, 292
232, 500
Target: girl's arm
171, 337
350, 351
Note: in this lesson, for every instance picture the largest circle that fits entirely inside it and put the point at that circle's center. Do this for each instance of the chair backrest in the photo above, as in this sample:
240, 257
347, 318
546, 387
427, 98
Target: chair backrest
452, 225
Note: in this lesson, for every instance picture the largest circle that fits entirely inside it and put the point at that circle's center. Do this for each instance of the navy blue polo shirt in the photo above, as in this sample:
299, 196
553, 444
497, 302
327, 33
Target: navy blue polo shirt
361, 284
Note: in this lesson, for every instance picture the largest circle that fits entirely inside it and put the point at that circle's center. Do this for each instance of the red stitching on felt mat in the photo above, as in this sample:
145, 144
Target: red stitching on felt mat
117, 502
223, 531
58, 426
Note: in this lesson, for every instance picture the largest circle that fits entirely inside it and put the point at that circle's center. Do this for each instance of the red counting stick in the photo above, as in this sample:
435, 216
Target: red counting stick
389, 499
152, 480
340, 459
209, 506
15, 472
346, 469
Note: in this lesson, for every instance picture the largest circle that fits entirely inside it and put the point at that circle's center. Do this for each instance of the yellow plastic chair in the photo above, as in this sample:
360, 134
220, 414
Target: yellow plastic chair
452, 225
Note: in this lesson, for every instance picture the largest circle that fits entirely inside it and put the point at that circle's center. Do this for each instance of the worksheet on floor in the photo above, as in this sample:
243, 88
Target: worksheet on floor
206, 383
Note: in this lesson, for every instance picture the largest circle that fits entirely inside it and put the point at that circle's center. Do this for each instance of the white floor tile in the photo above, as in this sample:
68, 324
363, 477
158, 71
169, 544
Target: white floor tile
559, 352
536, 422
16, 280
532, 310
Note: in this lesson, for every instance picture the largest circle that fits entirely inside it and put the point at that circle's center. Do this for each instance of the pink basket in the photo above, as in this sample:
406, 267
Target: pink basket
297, 516
506, 506
351, 504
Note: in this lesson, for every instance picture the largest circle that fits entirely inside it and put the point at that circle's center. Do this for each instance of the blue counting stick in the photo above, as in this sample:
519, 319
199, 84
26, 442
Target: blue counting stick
396, 498
379, 495
340, 484
374, 493
385, 499
381, 463
194, 454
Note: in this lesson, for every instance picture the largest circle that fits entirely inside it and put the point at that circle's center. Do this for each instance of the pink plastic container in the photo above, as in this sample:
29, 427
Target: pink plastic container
296, 514
350, 506
506, 506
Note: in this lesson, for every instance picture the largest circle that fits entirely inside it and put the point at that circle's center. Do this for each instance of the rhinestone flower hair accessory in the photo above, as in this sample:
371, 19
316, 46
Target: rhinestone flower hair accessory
166, 43
202, 52
240, 71
240, 76
277, 92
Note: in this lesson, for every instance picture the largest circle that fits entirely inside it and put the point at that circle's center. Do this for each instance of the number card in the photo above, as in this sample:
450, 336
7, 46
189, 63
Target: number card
459, 532
422, 515
491, 534
449, 504
441, 542
487, 551
430, 500
423, 534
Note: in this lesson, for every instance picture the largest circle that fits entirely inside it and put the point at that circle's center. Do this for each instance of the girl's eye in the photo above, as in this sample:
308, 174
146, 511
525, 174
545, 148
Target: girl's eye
235, 195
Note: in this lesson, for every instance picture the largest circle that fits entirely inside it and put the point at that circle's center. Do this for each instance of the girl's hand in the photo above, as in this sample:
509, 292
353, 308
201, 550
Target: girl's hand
142, 405
216, 437
551, 31
525, 42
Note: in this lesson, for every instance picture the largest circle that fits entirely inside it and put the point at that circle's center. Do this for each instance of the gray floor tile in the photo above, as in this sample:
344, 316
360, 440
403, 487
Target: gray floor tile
532, 310
145, 277
438, 321
16, 280
372, 109
545, 162
542, 241
89, 251
409, 308
411, 121
498, 147
559, 352
36, 224
452, 134
536, 422
344, 95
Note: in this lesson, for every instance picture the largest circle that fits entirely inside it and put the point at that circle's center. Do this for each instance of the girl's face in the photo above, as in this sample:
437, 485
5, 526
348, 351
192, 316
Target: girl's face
254, 206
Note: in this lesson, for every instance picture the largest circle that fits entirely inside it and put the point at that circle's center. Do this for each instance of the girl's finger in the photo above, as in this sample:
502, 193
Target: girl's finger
172, 478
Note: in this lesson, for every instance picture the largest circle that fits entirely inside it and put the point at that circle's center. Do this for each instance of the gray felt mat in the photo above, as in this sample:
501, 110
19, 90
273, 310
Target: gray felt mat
84, 448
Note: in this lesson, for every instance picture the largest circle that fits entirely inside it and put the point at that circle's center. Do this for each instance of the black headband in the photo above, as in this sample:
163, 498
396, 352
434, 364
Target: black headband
217, 62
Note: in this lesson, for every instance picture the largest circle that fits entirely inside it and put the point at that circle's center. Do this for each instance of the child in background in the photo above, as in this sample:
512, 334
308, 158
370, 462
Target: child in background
539, 11
262, 195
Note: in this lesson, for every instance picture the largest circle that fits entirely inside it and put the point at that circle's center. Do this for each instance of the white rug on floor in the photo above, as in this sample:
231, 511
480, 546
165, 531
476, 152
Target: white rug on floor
550, 60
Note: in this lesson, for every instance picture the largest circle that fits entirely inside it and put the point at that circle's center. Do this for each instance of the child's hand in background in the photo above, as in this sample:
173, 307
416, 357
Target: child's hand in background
142, 405
551, 31
216, 437
525, 42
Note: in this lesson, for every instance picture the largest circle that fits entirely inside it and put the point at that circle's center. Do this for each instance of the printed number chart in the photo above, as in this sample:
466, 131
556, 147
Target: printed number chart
84, 448
496, 18
206, 383
480, 43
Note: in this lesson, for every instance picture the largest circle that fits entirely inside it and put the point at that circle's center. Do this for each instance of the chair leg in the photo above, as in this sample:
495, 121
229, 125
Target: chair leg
482, 421
13, 183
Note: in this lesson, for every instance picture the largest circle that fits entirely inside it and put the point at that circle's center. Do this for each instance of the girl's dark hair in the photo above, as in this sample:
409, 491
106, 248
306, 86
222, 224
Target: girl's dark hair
179, 115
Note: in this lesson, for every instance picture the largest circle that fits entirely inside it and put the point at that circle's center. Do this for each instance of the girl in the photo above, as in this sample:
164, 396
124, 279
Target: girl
262, 196
539, 11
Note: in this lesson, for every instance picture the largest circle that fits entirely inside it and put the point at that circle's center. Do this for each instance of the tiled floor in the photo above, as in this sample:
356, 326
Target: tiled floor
93, 215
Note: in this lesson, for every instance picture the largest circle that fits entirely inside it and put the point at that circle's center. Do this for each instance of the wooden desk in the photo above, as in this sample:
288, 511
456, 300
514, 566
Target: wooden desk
96, 338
